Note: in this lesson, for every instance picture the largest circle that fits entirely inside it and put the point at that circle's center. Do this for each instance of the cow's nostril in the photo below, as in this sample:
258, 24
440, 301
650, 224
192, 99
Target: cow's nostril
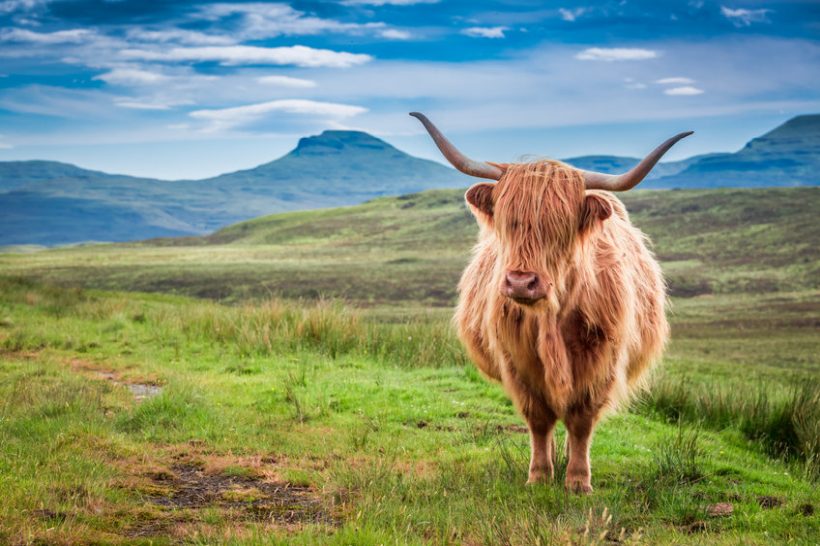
533, 284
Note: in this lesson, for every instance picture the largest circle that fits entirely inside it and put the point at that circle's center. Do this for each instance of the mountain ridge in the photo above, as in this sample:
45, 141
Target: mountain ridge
331, 169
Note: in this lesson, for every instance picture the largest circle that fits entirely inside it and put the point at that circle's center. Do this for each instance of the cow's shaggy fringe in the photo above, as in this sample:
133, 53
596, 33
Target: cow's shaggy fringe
785, 426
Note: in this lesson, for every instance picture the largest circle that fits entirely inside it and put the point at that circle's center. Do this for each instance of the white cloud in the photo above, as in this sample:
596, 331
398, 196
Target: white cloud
4, 145
238, 55
158, 102
395, 34
131, 76
484, 32
287, 81
136, 105
388, 2
180, 36
616, 54
73, 36
686, 90
9, 6
676, 80
630, 83
462, 97
571, 14
741, 17
261, 20
226, 118
53, 101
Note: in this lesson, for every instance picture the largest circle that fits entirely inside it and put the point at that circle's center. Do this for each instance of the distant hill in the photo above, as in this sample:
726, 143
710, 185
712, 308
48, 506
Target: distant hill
49, 203
618, 164
789, 155
332, 169
54, 220
341, 167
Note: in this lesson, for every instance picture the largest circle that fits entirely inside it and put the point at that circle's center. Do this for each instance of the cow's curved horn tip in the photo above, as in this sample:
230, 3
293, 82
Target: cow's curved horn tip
686, 134
416, 114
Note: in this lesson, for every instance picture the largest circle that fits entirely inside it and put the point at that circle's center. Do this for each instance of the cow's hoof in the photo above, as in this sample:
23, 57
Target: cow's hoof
580, 486
539, 476
535, 479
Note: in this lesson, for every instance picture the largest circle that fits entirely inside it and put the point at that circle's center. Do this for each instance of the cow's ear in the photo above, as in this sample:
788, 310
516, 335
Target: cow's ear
595, 209
480, 198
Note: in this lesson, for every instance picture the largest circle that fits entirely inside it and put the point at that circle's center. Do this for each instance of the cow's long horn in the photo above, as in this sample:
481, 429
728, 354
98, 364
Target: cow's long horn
633, 177
456, 158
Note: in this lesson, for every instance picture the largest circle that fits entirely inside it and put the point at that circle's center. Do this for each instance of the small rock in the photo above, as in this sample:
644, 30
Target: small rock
720, 509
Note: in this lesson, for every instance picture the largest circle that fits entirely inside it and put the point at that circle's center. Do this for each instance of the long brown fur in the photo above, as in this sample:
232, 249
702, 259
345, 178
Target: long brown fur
585, 347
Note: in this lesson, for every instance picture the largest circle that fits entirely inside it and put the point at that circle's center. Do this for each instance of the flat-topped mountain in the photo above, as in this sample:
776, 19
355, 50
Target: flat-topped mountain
47, 202
341, 167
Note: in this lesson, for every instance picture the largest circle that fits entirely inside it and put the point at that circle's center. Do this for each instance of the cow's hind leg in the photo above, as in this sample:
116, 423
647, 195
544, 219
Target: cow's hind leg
541, 422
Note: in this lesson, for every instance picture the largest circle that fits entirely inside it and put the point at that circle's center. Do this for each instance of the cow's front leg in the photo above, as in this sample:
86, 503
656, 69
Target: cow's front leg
580, 423
542, 445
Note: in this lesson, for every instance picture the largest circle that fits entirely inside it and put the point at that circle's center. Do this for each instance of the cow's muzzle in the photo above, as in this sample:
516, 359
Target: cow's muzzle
524, 287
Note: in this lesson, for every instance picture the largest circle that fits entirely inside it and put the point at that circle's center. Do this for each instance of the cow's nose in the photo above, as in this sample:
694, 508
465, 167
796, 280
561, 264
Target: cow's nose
524, 287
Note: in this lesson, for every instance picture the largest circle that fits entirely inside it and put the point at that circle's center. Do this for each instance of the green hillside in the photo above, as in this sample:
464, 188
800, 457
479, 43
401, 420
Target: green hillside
411, 250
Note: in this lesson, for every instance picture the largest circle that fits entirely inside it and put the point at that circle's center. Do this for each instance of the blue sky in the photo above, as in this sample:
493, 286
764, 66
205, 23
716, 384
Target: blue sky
188, 89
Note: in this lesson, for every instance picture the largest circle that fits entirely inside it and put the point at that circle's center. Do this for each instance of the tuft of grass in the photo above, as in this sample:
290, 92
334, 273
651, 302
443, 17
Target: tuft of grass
278, 326
177, 409
679, 461
785, 425
260, 329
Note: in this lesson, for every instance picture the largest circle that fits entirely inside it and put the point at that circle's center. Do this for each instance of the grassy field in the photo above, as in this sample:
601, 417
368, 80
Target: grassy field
409, 251
272, 416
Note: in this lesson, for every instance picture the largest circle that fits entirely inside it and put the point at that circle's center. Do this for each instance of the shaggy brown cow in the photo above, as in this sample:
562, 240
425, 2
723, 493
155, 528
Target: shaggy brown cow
562, 303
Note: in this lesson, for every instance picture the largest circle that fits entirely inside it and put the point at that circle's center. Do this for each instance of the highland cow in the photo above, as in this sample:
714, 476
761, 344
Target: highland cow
562, 303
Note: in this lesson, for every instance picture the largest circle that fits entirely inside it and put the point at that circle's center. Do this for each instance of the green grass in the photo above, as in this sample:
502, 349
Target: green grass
318, 394
393, 450
784, 425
